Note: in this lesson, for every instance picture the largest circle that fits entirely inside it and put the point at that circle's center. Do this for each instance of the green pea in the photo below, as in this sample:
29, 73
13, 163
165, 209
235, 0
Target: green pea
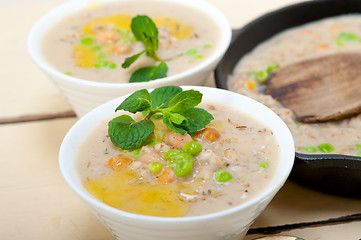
96, 48
348, 36
155, 167
358, 154
68, 73
264, 164
326, 148
261, 76
100, 64
172, 164
193, 148
171, 154
309, 149
136, 152
183, 168
102, 55
192, 52
339, 43
223, 176
358, 146
87, 40
271, 68
198, 57
207, 46
184, 156
112, 65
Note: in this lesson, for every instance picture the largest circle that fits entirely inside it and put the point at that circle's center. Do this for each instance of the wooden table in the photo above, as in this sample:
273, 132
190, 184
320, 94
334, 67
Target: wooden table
35, 202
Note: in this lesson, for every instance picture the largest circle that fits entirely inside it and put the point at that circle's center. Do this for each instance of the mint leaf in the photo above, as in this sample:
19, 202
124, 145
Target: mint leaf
171, 125
125, 133
196, 119
137, 102
145, 30
162, 95
176, 118
130, 60
147, 74
185, 100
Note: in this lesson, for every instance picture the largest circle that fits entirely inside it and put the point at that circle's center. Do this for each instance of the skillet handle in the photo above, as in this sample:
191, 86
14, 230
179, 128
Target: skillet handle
331, 173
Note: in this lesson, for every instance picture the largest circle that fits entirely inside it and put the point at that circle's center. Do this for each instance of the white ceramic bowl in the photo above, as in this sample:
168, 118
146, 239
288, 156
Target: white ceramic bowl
84, 95
231, 224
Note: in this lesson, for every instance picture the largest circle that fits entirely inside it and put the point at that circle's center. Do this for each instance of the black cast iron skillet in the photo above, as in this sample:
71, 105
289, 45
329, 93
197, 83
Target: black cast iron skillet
331, 173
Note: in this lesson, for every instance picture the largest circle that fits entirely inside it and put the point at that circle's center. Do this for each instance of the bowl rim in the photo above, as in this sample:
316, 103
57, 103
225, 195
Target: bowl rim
287, 156
60, 12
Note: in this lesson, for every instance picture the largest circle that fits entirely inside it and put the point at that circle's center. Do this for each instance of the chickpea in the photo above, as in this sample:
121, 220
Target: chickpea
177, 140
122, 48
107, 37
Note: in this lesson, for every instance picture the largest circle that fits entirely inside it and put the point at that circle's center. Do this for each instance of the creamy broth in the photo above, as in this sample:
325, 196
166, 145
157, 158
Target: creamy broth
93, 44
327, 36
245, 148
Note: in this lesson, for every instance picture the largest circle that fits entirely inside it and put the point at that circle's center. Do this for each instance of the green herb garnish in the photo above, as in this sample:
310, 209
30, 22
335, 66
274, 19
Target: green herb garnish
175, 106
147, 74
145, 30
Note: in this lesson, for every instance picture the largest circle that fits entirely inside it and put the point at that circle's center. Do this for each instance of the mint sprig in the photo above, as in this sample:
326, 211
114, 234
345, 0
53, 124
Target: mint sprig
175, 106
145, 30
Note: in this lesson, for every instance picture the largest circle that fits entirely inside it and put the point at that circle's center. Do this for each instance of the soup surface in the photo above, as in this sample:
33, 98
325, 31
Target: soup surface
94, 43
327, 36
238, 159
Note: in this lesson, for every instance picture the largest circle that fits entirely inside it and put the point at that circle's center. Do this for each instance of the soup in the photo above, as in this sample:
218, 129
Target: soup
327, 36
94, 43
233, 159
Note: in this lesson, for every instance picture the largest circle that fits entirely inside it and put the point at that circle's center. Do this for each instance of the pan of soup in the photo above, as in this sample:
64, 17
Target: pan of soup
328, 155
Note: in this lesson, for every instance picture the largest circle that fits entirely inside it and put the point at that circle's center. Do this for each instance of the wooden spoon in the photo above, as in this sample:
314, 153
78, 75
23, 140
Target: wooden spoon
322, 89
